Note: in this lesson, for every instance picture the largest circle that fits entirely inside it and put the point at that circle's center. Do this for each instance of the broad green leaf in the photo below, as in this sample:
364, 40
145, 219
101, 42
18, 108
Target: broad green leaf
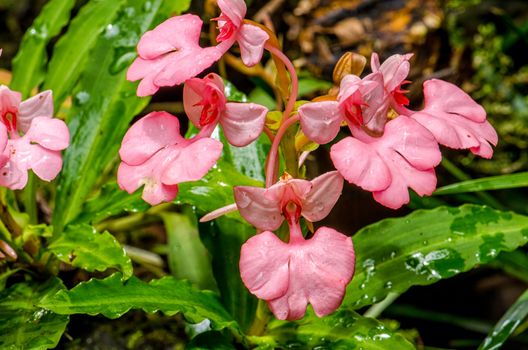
103, 106
507, 324
341, 330
72, 51
429, 245
23, 324
486, 184
309, 85
82, 246
188, 258
210, 340
112, 298
215, 190
223, 238
28, 64
110, 201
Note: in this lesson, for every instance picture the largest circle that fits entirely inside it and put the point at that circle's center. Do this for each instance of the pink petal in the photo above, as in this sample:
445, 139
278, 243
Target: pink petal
322, 197
130, 178
264, 265
235, 10
374, 62
290, 276
174, 34
243, 122
193, 161
403, 157
40, 105
171, 54
320, 121
360, 164
187, 63
257, 209
251, 40
3, 144
377, 105
9, 100
193, 93
45, 163
148, 135
13, 177
455, 120
395, 70
50, 133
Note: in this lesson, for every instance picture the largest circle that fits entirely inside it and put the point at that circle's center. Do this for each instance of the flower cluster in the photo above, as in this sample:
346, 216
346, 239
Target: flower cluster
30, 138
391, 149
389, 155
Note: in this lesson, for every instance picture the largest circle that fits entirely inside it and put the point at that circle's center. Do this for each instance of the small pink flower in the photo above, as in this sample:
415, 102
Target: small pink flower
250, 38
265, 208
156, 156
289, 276
39, 148
171, 53
455, 119
405, 156
395, 71
206, 105
361, 102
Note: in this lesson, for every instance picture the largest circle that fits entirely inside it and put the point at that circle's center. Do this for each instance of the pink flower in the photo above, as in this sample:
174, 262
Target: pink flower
455, 119
361, 102
289, 276
265, 208
250, 38
156, 156
405, 156
39, 148
395, 71
205, 104
171, 53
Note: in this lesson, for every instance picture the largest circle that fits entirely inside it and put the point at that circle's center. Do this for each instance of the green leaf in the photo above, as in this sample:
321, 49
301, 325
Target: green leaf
507, 324
103, 106
23, 324
28, 64
82, 246
72, 51
109, 202
223, 238
188, 258
215, 190
514, 263
112, 298
341, 330
429, 245
486, 184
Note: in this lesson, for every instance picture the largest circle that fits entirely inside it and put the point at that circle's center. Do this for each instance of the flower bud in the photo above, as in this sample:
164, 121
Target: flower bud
349, 63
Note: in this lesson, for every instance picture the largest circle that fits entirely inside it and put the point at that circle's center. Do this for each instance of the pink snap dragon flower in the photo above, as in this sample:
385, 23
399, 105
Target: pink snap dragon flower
206, 105
35, 138
250, 38
291, 275
156, 156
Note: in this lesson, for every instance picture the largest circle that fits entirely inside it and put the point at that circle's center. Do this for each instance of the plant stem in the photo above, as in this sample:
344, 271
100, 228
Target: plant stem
275, 149
375, 310
30, 200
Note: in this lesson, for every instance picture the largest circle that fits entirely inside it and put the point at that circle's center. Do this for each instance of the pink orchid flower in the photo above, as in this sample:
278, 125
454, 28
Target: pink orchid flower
170, 54
395, 71
206, 105
250, 38
156, 156
35, 138
455, 119
361, 102
405, 156
291, 275
265, 208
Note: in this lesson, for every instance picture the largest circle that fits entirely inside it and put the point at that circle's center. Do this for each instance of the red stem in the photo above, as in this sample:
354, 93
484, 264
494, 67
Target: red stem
275, 149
